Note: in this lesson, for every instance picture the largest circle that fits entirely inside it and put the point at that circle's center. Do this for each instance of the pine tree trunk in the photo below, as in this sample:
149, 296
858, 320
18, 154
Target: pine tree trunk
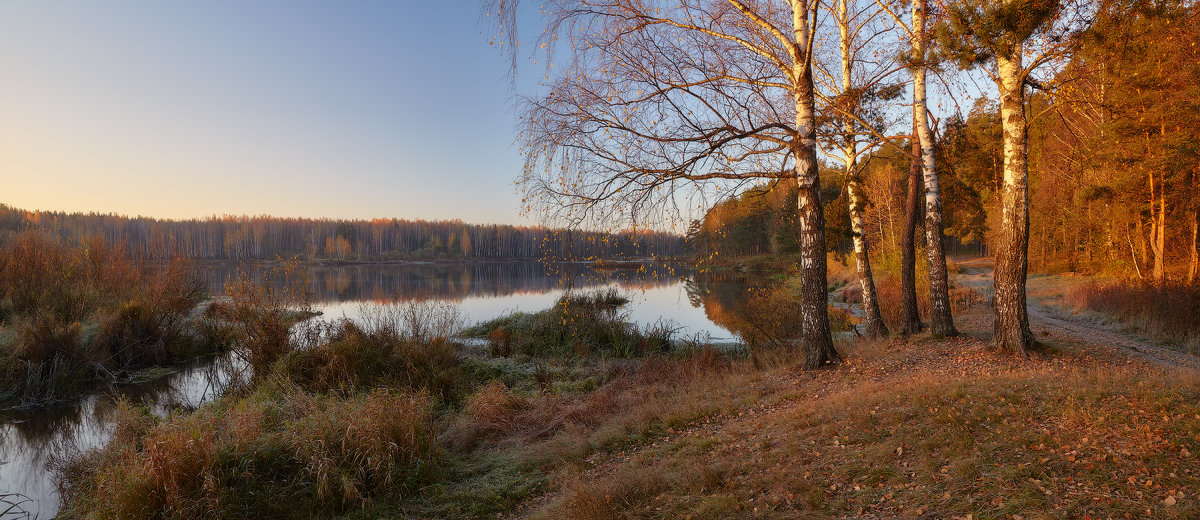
910, 318
816, 338
941, 323
1012, 263
1143, 249
1194, 265
1160, 238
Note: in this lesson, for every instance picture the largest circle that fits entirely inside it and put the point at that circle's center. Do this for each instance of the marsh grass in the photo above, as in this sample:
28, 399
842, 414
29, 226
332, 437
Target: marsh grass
280, 452
76, 317
579, 325
345, 413
399, 345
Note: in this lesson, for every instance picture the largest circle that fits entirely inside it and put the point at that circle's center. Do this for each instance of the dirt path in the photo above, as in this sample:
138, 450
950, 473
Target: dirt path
1047, 320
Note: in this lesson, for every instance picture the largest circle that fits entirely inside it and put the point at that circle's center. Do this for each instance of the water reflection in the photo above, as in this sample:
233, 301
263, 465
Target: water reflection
451, 282
31, 440
725, 298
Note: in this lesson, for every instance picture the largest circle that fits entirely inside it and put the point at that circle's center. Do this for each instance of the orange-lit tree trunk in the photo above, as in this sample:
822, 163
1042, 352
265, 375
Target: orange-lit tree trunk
816, 338
941, 323
1012, 263
1158, 228
1194, 265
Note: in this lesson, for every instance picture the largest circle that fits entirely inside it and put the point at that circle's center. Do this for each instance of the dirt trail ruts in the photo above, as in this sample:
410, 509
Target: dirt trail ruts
977, 274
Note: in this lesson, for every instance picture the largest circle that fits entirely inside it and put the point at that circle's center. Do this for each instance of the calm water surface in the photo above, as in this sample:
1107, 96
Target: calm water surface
695, 302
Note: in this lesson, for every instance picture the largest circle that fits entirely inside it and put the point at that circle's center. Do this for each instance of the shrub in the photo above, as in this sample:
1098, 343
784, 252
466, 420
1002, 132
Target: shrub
74, 317
256, 319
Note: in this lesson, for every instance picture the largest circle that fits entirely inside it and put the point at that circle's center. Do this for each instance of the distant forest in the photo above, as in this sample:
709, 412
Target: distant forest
269, 238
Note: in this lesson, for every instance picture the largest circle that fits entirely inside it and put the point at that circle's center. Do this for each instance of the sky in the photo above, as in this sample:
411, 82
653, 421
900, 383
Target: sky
293, 108
357, 109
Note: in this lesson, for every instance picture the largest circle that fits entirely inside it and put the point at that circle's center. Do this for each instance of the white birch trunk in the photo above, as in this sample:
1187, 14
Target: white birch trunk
816, 339
1012, 258
941, 322
854, 190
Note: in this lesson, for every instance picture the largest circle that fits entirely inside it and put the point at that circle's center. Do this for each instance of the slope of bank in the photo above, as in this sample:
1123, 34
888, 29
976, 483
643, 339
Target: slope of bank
1099, 425
922, 428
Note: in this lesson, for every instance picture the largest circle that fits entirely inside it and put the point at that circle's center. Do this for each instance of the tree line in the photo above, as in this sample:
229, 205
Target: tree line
241, 238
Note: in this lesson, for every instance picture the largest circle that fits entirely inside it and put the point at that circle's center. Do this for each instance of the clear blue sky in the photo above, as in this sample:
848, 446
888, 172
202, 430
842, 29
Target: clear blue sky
353, 109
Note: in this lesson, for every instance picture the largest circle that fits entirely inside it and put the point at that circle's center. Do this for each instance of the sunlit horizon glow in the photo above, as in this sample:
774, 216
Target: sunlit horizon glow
291, 109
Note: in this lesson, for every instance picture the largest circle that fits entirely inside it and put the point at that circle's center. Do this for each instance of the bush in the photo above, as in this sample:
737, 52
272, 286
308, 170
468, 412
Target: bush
74, 317
256, 319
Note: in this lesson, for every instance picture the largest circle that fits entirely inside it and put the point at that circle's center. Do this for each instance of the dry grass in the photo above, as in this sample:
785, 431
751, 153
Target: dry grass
637, 399
924, 429
1168, 312
281, 453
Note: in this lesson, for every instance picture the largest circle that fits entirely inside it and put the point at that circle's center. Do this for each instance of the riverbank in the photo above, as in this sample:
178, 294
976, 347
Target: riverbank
1099, 424
362, 411
599, 262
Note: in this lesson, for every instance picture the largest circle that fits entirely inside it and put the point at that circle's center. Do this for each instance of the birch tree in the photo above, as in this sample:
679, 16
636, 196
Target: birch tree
941, 322
855, 94
656, 97
1012, 39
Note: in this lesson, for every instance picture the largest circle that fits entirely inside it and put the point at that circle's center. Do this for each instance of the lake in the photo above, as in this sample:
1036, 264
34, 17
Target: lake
695, 302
